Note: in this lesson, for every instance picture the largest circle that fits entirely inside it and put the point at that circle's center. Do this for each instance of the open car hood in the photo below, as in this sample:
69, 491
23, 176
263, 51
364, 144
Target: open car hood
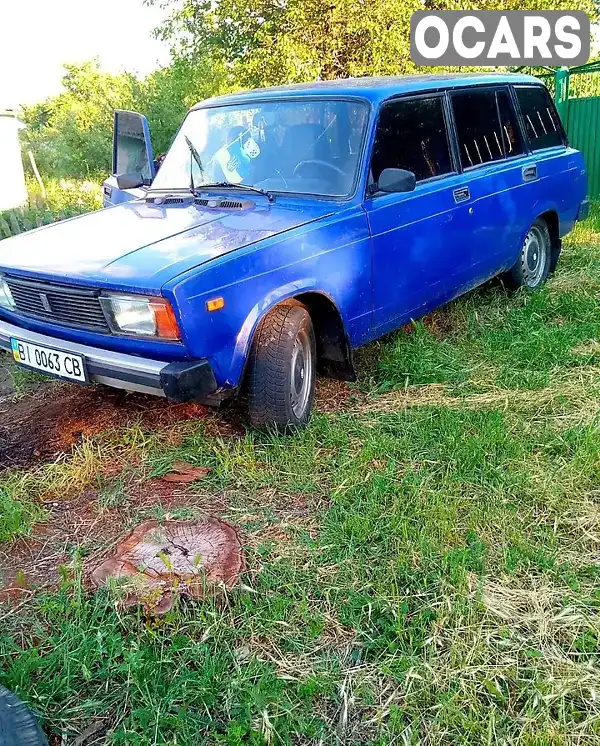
139, 245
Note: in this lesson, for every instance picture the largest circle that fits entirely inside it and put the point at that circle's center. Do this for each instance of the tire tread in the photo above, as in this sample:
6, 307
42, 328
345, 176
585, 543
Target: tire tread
268, 366
18, 727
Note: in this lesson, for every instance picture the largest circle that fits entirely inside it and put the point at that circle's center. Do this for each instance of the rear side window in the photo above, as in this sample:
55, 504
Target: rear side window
477, 127
542, 123
411, 134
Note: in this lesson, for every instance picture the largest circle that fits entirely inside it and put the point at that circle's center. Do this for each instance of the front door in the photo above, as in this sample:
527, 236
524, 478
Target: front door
132, 154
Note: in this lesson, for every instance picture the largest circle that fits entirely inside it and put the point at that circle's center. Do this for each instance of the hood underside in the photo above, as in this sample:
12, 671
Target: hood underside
145, 245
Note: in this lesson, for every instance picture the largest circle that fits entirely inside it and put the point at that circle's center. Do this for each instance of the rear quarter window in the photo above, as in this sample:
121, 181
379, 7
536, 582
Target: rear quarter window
543, 127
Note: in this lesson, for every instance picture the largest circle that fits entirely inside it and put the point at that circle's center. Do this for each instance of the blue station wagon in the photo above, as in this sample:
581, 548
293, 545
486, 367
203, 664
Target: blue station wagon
286, 227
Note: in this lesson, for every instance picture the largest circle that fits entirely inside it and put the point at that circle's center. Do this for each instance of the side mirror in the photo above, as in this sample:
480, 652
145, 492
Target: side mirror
130, 181
132, 149
396, 180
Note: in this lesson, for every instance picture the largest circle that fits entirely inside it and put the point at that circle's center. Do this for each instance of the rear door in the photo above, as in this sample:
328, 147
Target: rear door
491, 151
416, 240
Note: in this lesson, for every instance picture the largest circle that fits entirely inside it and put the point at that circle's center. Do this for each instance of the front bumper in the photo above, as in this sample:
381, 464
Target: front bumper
180, 381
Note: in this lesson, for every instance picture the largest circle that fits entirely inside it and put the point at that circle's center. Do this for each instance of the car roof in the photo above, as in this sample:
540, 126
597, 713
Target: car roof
372, 89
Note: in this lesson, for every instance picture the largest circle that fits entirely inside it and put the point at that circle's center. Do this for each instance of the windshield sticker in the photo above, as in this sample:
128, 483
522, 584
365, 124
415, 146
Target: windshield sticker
251, 148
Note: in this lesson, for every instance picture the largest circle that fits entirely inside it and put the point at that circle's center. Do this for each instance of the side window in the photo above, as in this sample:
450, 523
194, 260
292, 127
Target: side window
542, 123
411, 134
477, 127
511, 132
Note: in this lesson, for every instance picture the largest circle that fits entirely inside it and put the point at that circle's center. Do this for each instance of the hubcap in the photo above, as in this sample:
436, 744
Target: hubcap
301, 374
534, 257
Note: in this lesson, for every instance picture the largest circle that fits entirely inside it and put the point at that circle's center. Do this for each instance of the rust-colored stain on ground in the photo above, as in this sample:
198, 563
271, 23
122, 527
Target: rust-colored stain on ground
51, 420
158, 560
54, 419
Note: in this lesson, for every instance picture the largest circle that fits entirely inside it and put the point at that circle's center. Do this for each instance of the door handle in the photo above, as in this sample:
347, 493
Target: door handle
462, 194
529, 173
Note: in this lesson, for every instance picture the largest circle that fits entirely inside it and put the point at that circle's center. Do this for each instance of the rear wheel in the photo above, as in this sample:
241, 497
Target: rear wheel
534, 264
282, 369
18, 727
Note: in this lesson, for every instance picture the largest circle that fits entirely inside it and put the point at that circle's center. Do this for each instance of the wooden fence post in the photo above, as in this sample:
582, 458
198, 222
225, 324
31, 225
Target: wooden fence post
36, 173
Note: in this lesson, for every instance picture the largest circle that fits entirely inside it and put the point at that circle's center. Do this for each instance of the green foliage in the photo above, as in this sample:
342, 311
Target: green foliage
267, 42
17, 514
584, 85
63, 199
71, 134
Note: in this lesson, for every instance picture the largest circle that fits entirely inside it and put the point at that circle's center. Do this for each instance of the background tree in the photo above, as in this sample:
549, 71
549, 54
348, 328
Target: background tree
224, 45
268, 42
71, 134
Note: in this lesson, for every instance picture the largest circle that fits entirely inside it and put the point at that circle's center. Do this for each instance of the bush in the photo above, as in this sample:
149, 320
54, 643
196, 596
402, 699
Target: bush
63, 199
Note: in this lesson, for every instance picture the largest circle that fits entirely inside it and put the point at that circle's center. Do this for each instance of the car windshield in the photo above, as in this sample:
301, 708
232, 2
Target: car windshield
308, 146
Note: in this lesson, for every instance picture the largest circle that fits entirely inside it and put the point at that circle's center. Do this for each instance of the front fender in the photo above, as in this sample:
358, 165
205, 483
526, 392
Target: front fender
331, 257
237, 362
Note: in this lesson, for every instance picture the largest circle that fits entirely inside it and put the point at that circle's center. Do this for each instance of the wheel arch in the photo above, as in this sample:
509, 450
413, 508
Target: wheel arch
552, 220
334, 354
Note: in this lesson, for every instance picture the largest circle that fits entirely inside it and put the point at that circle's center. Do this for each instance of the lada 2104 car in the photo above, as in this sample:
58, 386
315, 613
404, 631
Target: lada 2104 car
286, 227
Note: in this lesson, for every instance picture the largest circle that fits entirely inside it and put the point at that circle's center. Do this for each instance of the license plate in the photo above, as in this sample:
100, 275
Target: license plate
56, 362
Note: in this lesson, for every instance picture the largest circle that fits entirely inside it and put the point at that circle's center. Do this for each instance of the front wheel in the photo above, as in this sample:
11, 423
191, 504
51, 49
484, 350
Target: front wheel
282, 369
18, 727
535, 261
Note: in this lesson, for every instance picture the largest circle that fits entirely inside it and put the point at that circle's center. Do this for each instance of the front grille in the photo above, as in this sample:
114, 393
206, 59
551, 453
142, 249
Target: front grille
61, 304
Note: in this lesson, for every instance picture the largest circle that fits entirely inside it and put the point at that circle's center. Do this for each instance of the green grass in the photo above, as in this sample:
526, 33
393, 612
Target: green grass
22, 381
423, 564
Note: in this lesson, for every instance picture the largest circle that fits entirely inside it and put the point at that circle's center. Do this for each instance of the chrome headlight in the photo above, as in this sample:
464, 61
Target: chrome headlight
140, 315
6, 299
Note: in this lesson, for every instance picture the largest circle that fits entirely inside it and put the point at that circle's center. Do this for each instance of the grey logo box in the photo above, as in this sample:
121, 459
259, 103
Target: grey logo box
495, 37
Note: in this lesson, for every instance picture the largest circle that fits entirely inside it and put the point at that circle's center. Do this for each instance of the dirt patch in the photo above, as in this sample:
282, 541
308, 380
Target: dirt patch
86, 524
54, 419
441, 323
337, 396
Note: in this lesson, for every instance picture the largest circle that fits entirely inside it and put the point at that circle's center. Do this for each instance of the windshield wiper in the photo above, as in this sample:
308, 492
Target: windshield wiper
196, 156
224, 184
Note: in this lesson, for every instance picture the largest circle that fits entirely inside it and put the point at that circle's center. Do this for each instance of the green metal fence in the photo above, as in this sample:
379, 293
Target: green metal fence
578, 100
583, 128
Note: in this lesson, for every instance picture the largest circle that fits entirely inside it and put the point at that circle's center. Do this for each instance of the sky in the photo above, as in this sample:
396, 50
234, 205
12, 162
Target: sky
37, 36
